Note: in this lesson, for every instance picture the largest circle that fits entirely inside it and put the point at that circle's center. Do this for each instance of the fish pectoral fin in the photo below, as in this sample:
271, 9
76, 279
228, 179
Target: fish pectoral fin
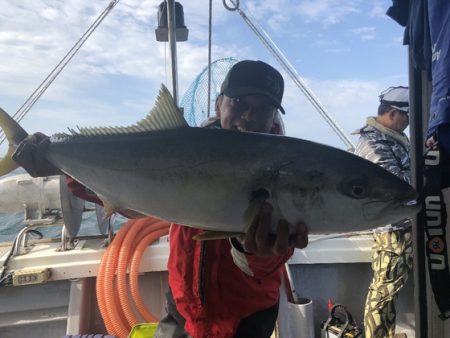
108, 207
209, 235
260, 196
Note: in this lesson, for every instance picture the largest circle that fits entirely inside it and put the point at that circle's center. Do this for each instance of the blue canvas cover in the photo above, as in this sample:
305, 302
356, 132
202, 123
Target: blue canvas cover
439, 15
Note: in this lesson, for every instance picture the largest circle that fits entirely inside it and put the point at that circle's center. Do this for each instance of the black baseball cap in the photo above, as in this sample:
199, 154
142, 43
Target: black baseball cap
250, 77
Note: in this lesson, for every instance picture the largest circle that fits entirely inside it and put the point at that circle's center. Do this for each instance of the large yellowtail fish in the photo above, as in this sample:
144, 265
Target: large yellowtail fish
216, 179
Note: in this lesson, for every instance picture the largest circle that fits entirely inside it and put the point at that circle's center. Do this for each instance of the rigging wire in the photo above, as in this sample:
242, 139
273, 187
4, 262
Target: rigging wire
209, 57
290, 70
39, 91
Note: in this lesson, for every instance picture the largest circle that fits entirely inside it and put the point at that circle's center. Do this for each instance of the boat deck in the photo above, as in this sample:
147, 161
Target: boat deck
332, 268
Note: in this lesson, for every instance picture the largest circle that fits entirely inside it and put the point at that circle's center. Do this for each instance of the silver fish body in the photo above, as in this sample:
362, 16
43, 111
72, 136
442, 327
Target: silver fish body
206, 178
211, 178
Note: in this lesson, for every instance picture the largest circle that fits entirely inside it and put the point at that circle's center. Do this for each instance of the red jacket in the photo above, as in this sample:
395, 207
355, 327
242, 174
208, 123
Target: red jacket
210, 288
213, 284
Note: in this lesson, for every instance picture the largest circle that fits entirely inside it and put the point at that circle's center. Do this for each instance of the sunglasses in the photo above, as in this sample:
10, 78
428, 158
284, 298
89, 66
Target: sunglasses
402, 112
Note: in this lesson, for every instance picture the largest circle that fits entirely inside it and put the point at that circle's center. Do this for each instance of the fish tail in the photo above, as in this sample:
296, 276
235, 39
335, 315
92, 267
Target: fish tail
14, 134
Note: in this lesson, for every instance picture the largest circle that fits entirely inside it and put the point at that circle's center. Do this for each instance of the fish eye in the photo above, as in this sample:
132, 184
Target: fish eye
355, 188
357, 191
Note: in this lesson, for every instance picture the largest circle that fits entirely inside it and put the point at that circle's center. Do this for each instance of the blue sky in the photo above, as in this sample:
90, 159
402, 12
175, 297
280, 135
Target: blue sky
347, 51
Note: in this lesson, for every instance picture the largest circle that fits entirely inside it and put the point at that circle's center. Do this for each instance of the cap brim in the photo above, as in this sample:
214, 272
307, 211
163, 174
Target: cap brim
242, 91
403, 109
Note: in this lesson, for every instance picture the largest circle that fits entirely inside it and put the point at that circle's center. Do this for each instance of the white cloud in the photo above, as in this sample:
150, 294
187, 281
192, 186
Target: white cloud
338, 50
347, 101
397, 41
49, 13
327, 12
364, 33
117, 73
271, 14
122, 45
379, 8
283, 15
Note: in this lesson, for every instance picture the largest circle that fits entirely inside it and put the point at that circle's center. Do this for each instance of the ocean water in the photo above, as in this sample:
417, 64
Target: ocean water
12, 223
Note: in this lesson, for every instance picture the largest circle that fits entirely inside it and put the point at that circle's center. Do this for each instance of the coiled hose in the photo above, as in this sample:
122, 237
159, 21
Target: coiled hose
125, 253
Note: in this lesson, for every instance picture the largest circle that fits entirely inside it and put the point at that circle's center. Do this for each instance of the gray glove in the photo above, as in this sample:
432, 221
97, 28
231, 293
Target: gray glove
30, 154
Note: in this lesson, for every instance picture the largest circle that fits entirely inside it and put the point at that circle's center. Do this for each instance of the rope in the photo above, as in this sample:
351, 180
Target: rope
290, 70
39, 91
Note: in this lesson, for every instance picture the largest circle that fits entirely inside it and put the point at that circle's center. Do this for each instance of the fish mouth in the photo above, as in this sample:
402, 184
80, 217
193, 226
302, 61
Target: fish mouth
391, 210
412, 206
412, 203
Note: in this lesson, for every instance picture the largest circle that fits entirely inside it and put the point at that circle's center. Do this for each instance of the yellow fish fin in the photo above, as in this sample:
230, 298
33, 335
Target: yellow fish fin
108, 207
14, 134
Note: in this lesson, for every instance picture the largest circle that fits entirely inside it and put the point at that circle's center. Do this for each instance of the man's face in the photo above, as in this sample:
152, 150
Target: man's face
400, 120
254, 113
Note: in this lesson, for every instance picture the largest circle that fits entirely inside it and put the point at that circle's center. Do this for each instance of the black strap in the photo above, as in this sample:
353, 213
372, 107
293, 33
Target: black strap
435, 224
333, 319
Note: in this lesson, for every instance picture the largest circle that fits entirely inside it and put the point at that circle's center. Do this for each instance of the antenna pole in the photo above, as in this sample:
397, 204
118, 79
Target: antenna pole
173, 47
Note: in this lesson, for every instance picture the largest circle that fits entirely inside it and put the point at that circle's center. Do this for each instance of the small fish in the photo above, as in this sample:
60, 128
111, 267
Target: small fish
208, 178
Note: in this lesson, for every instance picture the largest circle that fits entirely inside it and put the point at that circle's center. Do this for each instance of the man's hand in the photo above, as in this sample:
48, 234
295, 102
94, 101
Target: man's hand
432, 142
260, 241
30, 154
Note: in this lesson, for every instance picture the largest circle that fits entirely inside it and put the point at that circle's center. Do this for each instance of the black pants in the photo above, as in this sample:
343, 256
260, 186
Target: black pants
259, 325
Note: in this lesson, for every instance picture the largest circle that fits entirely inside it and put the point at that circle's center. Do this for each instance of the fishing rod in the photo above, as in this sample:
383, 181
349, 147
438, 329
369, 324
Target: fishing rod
290, 70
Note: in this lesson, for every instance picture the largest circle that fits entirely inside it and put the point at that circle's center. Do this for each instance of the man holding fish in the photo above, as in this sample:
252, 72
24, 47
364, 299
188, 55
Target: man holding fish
222, 287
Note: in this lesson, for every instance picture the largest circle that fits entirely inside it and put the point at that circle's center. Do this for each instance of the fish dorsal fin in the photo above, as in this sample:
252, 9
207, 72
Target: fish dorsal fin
164, 115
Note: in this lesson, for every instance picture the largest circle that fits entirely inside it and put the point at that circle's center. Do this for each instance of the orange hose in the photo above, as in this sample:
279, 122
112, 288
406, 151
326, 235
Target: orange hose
116, 325
147, 228
101, 281
99, 287
124, 256
112, 293
134, 271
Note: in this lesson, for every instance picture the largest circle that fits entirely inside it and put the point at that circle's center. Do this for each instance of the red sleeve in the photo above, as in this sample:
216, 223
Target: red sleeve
87, 194
81, 191
258, 266
263, 265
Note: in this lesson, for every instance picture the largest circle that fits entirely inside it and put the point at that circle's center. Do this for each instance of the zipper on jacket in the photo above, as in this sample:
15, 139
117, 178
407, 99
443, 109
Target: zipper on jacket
201, 287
